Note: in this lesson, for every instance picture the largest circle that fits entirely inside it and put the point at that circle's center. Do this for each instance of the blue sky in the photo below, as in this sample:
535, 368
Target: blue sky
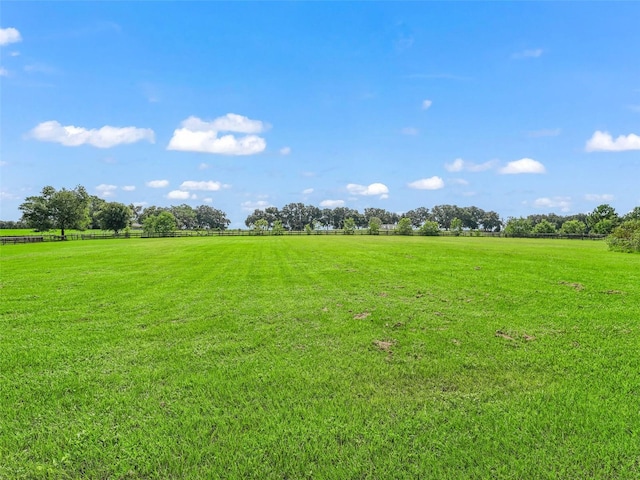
516, 107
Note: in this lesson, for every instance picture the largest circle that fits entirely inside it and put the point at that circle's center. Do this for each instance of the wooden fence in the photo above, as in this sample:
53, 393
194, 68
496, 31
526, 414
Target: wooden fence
251, 233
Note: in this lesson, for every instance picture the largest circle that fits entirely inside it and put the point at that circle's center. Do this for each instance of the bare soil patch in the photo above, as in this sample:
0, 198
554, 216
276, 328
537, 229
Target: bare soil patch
577, 286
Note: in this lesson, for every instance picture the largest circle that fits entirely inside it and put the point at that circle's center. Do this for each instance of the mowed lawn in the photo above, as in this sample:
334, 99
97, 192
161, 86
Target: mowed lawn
319, 357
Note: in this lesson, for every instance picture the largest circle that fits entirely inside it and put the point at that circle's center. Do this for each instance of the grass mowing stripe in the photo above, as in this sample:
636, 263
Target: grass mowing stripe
315, 357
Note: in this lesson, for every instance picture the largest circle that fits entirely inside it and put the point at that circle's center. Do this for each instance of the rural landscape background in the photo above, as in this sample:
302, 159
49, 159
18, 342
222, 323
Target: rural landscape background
319, 240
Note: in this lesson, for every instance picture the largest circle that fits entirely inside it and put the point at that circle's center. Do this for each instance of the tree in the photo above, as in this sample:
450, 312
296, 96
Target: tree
456, 226
573, 227
603, 227
518, 227
600, 213
471, 217
278, 229
429, 228
443, 214
254, 217
114, 216
96, 204
162, 223
148, 212
136, 211
185, 216
35, 210
626, 237
418, 216
544, 227
211, 218
63, 209
404, 227
374, 226
491, 222
632, 215
259, 226
349, 226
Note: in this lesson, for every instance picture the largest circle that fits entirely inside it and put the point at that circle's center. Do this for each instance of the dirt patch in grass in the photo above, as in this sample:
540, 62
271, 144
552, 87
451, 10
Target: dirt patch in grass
613, 292
501, 334
513, 336
361, 316
384, 345
575, 285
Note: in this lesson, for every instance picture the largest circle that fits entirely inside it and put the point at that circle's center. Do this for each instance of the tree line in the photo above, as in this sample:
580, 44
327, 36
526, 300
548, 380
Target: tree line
297, 216
75, 209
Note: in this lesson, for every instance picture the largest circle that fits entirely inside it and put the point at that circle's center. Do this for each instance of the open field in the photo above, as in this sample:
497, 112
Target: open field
319, 357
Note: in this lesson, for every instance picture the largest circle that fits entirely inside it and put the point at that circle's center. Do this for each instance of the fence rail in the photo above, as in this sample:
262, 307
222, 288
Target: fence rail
251, 233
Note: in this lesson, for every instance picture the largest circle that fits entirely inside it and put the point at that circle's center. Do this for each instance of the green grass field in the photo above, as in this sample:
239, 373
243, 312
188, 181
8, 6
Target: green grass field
319, 357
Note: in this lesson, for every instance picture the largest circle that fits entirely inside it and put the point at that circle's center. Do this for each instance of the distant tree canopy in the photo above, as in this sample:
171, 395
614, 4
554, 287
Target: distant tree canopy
295, 216
65, 209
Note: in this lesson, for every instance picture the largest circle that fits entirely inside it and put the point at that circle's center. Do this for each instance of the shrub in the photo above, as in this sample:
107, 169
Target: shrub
456, 226
544, 227
278, 229
626, 237
573, 227
349, 227
517, 227
404, 227
429, 228
374, 226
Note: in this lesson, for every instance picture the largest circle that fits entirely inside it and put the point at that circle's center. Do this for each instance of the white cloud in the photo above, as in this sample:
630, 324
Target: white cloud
105, 137
409, 131
4, 72
332, 203
158, 183
460, 181
545, 132
524, 165
563, 203
196, 135
604, 142
251, 206
14, 54
433, 183
207, 200
373, 189
532, 53
209, 186
9, 35
230, 122
594, 197
307, 191
426, 104
129, 188
106, 190
179, 195
203, 166
285, 150
8, 196
459, 165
